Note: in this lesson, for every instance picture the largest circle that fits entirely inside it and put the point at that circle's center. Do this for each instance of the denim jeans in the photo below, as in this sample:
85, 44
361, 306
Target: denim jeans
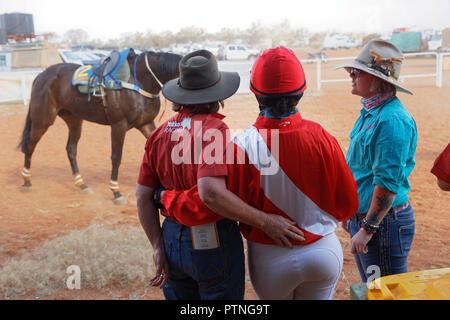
389, 247
208, 274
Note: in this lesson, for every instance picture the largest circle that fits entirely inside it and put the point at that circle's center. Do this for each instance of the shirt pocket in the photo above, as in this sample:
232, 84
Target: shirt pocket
362, 143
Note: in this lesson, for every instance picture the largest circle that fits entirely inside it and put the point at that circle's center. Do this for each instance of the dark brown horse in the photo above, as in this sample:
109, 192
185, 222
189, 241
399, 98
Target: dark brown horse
53, 95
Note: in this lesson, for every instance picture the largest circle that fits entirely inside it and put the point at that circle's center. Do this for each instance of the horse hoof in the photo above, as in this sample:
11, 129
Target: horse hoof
120, 200
26, 188
87, 190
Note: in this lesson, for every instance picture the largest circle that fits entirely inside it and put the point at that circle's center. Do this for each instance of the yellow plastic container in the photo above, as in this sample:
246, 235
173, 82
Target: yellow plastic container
421, 285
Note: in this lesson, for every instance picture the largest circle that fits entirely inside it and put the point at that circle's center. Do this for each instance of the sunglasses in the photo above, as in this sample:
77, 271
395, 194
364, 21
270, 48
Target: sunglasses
356, 73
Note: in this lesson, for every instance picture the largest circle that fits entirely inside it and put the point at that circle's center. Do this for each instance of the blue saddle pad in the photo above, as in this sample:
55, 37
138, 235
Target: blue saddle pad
82, 75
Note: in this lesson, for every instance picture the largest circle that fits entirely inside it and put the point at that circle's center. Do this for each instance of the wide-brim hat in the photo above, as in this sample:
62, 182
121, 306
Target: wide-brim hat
381, 59
200, 81
277, 72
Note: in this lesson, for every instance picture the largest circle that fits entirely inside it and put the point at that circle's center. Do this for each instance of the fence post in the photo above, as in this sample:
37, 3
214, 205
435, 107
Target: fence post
439, 66
319, 75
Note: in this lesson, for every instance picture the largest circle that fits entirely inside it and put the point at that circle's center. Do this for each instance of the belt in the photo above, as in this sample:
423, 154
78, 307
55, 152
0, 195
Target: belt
392, 210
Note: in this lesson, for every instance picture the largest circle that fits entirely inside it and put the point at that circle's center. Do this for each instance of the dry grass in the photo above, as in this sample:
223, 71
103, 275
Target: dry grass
104, 255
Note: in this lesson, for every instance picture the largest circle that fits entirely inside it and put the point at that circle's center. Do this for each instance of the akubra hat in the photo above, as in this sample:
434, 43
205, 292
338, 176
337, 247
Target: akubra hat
381, 59
200, 81
277, 72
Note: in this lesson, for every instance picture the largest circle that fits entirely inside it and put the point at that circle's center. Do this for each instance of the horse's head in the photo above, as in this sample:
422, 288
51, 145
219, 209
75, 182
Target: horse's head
154, 68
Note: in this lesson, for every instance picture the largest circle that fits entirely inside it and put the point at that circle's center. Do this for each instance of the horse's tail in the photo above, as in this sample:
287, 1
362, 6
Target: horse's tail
25, 133
27, 128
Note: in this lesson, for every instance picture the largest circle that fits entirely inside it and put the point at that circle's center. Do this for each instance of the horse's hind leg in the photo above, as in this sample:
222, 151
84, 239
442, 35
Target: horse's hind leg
36, 125
74, 124
28, 148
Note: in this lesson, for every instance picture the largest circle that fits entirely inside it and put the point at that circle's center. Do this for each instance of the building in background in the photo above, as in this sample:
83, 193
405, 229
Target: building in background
16, 27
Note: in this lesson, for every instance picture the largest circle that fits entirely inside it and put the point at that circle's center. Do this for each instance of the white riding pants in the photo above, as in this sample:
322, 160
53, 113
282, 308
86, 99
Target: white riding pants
307, 272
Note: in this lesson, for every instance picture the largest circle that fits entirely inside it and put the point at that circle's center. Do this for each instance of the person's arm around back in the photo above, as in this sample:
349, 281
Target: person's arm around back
213, 192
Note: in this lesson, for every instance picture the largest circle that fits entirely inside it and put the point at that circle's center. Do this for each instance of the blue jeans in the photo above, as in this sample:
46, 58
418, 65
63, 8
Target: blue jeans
209, 274
389, 247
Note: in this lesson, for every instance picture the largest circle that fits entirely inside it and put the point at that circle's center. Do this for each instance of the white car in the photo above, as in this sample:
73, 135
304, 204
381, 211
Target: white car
435, 42
340, 42
78, 57
239, 52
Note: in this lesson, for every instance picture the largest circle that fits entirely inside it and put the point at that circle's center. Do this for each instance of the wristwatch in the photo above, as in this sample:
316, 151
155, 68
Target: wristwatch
157, 197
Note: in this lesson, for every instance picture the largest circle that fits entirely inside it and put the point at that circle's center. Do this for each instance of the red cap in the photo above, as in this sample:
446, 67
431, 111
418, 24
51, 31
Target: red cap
277, 72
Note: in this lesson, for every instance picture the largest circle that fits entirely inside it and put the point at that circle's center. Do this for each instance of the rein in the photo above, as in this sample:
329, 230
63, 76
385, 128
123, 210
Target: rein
160, 84
150, 69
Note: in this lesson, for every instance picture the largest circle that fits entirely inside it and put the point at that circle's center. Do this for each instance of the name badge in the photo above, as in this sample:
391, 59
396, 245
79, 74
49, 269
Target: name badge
205, 236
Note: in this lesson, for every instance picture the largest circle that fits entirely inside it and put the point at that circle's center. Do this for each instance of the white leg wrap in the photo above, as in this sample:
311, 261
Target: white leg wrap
114, 185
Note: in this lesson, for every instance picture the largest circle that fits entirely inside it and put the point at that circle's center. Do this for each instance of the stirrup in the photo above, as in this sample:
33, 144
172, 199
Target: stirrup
95, 94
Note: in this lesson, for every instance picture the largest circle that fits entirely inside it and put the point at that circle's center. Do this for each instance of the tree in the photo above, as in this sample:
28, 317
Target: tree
256, 33
190, 34
75, 37
229, 35
369, 37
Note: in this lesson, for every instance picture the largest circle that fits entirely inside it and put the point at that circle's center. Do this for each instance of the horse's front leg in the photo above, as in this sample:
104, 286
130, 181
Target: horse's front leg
74, 124
147, 129
118, 131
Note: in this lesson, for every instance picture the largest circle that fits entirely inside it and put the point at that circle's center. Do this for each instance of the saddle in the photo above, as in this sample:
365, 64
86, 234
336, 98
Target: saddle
107, 65
112, 73
107, 73
100, 71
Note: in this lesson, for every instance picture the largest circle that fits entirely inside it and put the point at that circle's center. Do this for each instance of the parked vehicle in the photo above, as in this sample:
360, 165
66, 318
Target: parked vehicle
239, 52
410, 41
82, 56
78, 57
321, 55
435, 42
340, 42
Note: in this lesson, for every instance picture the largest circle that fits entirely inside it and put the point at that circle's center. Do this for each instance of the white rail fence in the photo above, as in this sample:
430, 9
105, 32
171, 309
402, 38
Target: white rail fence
438, 74
16, 86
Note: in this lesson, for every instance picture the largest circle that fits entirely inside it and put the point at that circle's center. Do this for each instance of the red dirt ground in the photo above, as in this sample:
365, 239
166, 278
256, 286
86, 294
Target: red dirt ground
55, 206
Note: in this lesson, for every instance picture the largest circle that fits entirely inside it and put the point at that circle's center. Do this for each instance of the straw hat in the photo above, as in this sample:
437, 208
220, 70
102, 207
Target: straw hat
381, 59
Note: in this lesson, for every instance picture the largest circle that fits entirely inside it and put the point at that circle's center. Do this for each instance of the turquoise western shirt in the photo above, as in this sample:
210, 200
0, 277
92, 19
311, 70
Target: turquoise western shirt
381, 152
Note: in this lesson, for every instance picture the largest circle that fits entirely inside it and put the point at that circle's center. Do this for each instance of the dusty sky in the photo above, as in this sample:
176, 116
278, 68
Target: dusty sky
108, 19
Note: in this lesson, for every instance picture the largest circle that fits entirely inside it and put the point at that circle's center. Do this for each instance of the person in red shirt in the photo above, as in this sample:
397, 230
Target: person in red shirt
289, 166
441, 169
198, 255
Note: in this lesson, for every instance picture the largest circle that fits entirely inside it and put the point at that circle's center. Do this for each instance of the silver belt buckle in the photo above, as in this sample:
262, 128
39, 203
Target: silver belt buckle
205, 236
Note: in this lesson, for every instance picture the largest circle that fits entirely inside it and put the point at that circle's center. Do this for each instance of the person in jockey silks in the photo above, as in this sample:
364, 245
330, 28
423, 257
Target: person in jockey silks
381, 157
289, 166
441, 169
199, 255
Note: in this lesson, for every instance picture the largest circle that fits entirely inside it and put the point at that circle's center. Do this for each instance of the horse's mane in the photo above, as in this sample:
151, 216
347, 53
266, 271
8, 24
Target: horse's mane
167, 62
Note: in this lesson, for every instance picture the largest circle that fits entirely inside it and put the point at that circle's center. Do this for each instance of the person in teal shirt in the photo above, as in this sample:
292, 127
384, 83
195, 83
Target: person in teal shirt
381, 157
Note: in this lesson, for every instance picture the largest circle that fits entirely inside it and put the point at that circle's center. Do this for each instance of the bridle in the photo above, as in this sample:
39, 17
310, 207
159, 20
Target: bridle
150, 69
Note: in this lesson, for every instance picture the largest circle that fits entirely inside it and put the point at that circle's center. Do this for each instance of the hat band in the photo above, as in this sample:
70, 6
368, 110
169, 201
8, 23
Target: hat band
278, 94
198, 87
385, 70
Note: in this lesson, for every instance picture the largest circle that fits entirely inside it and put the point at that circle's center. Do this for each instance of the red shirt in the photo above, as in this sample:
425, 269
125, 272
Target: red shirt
441, 167
308, 181
172, 157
